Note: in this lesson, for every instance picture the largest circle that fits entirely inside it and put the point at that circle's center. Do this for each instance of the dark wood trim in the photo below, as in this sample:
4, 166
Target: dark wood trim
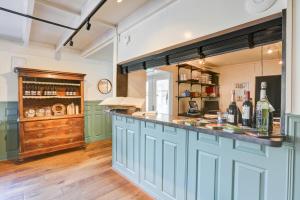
48, 74
122, 83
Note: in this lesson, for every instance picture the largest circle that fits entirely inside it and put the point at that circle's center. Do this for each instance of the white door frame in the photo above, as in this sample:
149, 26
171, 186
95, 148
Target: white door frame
158, 75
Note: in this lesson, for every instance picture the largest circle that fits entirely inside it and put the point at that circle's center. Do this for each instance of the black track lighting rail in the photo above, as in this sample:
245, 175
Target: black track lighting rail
37, 19
76, 30
86, 21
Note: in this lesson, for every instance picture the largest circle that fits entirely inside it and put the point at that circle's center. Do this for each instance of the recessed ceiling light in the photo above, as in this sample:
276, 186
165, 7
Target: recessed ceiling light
119, 1
280, 62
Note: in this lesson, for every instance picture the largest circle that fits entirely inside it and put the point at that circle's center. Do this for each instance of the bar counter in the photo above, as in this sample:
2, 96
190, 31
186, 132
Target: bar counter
168, 120
171, 161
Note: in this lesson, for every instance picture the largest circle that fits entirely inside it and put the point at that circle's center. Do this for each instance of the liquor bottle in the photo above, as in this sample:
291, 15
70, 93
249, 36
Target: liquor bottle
232, 111
247, 110
67, 92
264, 109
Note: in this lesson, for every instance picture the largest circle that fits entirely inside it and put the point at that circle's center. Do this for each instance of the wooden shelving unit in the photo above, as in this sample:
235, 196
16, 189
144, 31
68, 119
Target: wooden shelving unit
192, 82
51, 97
59, 129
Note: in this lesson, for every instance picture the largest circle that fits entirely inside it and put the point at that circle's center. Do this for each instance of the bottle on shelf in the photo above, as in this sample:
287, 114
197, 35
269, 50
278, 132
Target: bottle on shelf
38, 91
247, 110
264, 112
232, 117
27, 90
67, 91
54, 91
46, 91
33, 90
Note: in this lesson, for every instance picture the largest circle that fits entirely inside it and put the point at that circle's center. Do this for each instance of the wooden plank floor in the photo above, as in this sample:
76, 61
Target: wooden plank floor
74, 175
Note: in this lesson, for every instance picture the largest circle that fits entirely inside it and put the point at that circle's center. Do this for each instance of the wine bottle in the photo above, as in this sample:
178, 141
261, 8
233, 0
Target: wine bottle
247, 110
232, 111
264, 111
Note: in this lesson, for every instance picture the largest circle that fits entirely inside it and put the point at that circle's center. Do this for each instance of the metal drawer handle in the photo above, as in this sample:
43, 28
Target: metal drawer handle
39, 125
40, 135
71, 139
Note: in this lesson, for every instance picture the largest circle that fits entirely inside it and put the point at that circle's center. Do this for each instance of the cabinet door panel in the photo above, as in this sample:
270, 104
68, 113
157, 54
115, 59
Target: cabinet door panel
119, 135
150, 159
169, 168
130, 150
207, 179
126, 147
245, 176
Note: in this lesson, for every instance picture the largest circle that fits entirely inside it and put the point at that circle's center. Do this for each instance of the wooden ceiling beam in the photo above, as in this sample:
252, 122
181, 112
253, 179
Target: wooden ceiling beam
29, 7
58, 7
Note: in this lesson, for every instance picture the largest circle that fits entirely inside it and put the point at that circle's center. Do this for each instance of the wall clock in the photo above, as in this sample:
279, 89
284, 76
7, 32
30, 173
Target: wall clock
104, 86
258, 6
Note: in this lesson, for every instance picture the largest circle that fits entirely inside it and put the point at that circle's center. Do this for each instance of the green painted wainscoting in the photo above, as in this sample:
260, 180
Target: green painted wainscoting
97, 126
8, 130
97, 122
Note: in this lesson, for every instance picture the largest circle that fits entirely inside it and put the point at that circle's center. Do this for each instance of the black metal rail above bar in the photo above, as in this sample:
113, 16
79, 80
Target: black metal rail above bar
86, 20
36, 18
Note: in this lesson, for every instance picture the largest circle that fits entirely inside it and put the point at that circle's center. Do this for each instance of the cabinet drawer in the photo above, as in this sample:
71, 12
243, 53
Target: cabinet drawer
40, 125
69, 130
38, 144
39, 134
31, 145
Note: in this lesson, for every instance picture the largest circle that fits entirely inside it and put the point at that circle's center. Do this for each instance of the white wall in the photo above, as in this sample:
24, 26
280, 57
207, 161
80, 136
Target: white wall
244, 72
196, 17
42, 57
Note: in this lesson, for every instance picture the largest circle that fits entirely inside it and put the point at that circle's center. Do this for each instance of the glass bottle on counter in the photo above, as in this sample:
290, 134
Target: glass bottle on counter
247, 110
232, 117
264, 110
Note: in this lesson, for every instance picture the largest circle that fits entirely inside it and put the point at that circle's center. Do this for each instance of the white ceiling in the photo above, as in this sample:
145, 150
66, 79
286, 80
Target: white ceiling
66, 12
105, 53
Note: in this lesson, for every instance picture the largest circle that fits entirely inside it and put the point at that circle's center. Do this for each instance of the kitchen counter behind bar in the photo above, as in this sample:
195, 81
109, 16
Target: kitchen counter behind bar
176, 162
168, 121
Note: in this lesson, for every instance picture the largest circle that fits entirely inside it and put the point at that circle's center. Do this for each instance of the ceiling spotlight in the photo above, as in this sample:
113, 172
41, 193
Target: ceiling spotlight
88, 26
71, 43
269, 51
119, 1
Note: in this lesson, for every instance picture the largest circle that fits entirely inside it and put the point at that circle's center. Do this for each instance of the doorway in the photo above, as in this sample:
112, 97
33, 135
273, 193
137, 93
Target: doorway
159, 87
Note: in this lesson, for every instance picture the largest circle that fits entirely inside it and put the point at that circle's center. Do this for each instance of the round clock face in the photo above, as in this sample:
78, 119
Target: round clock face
258, 6
104, 86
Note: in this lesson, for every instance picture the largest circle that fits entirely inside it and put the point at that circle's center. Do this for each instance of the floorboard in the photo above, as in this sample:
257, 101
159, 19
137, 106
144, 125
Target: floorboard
71, 175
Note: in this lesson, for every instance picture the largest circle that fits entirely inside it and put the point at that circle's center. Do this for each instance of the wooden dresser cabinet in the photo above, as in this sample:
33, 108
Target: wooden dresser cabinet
40, 129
